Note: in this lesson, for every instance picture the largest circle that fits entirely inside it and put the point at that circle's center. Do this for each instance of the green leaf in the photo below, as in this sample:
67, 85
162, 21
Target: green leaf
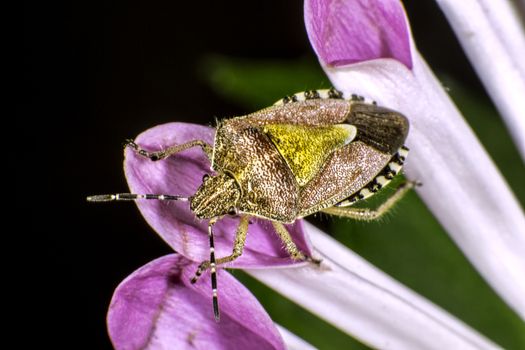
256, 84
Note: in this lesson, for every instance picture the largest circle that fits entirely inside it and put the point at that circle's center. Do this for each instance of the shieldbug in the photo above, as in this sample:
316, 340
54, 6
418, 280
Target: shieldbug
314, 151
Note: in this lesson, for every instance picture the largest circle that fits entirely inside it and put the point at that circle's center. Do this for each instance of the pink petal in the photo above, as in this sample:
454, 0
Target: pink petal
181, 174
157, 308
343, 32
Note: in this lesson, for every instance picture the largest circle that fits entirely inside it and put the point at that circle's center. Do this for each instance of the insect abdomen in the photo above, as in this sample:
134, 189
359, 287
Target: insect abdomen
381, 180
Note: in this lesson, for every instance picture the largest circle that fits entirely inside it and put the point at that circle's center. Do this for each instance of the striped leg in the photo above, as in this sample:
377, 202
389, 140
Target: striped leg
170, 150
133, 197
211, 264
238, 247
368, 214
213, 271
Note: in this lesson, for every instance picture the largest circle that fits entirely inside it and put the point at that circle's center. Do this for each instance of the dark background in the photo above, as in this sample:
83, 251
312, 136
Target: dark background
98, 72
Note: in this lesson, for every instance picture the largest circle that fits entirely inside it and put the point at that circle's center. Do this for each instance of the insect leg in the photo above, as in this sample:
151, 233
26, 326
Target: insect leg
368, 214
170, 150
213, 270
133, 197
238, 247
289, 245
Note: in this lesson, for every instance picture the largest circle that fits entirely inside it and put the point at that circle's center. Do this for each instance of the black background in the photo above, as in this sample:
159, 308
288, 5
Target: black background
98, 72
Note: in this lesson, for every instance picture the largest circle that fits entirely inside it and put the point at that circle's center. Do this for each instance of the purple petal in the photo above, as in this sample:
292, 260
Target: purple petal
157, 307
181, 174
343, 32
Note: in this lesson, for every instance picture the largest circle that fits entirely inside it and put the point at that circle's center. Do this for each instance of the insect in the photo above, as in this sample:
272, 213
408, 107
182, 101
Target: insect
314, 151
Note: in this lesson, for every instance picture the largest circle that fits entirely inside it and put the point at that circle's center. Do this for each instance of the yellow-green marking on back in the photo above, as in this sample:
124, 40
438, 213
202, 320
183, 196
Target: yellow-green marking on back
306, 148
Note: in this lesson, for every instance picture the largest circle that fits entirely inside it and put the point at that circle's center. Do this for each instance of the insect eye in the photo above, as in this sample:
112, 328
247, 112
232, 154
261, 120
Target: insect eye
205, 177
232, 211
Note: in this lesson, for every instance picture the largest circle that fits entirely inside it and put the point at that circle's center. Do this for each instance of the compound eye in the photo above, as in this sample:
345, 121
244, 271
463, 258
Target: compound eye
232, 211
205, 177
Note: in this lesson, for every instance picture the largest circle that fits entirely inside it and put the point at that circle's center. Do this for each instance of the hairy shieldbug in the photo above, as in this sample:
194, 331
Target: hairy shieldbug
314, 151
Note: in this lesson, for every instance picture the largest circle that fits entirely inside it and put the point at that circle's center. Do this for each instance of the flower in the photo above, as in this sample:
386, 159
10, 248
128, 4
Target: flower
157, 307
365, 48
492, 37
478, 211
348, 32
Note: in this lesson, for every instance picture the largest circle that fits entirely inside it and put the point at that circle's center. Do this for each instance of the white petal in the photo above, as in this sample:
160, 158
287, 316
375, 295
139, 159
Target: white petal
493, 39
461, 185
361, 300
292, 341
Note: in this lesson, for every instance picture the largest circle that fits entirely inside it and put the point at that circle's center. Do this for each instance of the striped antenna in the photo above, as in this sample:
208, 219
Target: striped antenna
213, 271
133, 197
